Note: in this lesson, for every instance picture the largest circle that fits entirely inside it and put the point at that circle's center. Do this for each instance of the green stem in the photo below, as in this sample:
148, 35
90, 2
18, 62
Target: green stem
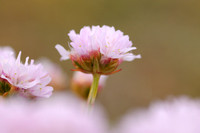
93, 89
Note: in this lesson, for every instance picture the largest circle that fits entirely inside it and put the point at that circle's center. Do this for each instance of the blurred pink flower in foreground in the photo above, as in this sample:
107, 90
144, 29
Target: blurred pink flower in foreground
180, 115
29, 80
59, 78
81, 83
98, 49
58, 114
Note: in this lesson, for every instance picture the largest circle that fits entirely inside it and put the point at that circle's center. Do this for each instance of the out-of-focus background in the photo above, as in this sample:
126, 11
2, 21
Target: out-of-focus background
166, 33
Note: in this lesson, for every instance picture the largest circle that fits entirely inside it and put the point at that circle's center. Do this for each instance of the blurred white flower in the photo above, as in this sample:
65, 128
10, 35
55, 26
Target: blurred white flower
58, 114
7, 52
59, 78
181, 115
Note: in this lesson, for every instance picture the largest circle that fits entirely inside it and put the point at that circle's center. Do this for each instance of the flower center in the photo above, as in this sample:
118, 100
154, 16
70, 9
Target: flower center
4, 87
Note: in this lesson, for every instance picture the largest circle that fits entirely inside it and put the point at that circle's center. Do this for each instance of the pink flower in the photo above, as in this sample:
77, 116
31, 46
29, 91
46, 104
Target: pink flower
29, 80
59, 78
98, 49
59, 114
172, 116
81, 83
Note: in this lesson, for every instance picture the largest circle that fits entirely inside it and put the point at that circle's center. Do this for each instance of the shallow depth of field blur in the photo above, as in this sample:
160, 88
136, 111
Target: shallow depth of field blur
165, 32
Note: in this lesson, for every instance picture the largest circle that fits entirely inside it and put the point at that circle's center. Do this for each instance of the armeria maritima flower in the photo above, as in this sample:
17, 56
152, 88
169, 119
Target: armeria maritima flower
29, 80
98, 49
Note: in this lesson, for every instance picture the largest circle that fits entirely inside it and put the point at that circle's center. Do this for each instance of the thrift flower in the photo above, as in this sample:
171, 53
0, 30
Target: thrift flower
28, 79
81, 83
179, 115
99, 51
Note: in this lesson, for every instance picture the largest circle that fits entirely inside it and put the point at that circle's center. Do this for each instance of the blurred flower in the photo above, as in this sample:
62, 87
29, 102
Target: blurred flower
58, 76
59, 114
172, 116
7, 53
29, 80
81, 83
98, 49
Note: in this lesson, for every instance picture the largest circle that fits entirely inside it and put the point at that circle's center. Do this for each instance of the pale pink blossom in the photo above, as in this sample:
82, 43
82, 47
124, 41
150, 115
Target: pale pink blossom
101, 47
81, 83
27, 79
179, 115
59, 80
58, 114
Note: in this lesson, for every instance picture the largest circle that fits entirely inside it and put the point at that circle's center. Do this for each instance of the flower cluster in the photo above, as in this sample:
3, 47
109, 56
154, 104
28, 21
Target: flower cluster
28, 79
98, 50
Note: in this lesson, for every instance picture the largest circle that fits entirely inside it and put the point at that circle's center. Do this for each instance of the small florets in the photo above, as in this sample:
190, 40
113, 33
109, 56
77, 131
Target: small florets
98, 49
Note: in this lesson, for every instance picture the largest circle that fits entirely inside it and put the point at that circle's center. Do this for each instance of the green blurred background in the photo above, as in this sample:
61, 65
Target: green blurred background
166, 33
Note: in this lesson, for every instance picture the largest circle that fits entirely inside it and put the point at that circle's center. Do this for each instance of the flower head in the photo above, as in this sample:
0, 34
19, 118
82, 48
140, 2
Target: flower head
81, 83
98, 49
27, 79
